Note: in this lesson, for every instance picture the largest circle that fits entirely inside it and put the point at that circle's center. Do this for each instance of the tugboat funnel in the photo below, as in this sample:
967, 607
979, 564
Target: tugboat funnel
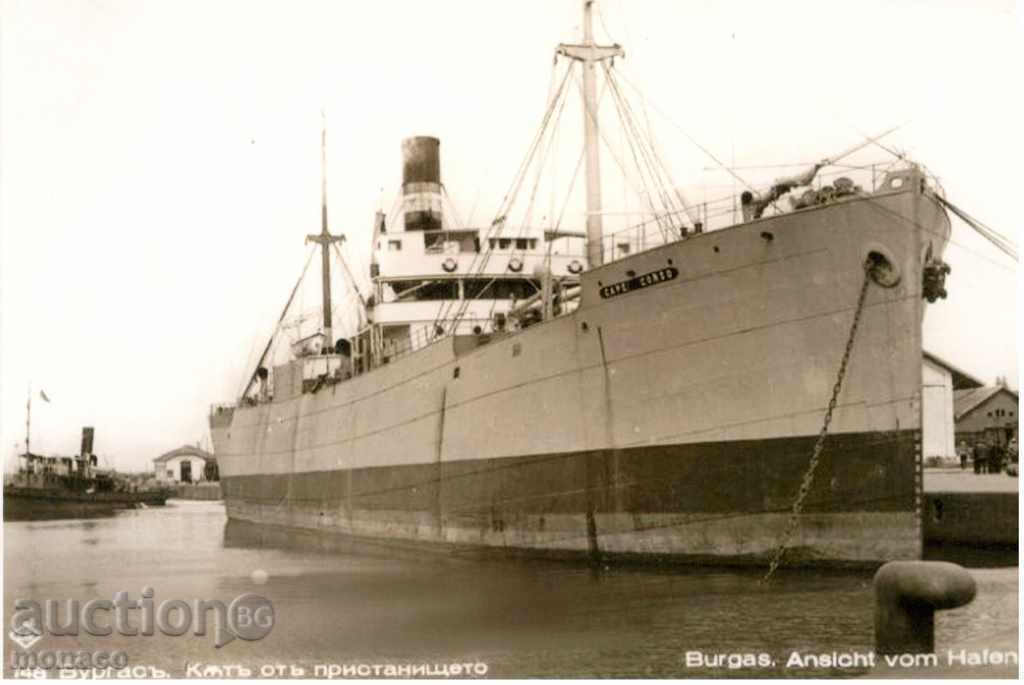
87, 435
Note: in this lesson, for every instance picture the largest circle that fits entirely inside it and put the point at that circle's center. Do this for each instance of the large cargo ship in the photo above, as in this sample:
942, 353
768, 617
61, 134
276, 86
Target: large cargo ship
719, 395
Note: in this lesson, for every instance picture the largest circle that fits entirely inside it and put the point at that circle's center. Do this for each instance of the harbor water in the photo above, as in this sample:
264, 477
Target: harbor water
339, 604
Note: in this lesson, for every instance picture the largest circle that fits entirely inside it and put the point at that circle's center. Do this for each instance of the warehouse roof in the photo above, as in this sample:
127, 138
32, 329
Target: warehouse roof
185, 451
961, 379
966, 401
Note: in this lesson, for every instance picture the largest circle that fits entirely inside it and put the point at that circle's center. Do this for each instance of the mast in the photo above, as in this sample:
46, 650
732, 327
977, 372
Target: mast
325, 251
28, 422
589, 54
324, 238
595, 222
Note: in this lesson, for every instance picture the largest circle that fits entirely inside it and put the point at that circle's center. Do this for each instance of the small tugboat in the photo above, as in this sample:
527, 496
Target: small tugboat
56, 487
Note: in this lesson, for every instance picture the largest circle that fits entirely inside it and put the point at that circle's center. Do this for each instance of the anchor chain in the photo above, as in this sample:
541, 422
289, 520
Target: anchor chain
819, 444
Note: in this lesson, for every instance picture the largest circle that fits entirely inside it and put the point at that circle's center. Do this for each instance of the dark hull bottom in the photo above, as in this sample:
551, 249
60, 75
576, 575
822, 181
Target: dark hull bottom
23, 504
240, 534
724, 503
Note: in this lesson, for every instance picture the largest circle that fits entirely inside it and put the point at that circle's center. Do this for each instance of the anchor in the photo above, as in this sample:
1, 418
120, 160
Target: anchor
933, 279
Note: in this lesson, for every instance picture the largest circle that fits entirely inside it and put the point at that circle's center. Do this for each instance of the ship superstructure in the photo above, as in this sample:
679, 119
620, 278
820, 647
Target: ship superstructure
432, 279
429, 280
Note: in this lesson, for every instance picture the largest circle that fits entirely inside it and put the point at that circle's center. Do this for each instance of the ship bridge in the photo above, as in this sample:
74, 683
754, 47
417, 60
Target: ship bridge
432, 276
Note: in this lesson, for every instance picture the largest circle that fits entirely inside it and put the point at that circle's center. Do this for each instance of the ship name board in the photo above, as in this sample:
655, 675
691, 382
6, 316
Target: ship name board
637, 282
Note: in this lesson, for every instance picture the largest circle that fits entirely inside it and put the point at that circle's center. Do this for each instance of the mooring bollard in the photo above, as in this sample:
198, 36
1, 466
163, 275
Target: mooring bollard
907, 595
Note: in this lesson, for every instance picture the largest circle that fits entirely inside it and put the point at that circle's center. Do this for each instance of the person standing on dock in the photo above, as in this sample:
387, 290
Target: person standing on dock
981, 456
995, 463
963, 452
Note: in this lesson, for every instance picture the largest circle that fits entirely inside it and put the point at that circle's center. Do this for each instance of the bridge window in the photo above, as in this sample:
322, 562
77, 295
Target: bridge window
420, 291
451, 241
508, 243
500, 288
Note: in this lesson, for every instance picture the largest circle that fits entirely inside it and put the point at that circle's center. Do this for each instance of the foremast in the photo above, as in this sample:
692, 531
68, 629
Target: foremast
589, 54
325, 239
28, 422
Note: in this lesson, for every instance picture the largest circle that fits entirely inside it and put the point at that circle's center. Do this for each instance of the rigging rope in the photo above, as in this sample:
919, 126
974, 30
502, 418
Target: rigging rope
479, 262
632, 139
660, 179
572, 186
452, 211
509, 198
993, 236
625, 173
1001, 242
277, 326
693, 141
660, 171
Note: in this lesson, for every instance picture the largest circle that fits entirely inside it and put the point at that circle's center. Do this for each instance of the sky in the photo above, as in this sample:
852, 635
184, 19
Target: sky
159, 162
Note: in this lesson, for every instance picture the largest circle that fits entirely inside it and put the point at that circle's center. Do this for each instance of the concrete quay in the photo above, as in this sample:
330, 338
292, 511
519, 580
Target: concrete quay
968, 509
957, 480
977, 640
208, 491
966, 515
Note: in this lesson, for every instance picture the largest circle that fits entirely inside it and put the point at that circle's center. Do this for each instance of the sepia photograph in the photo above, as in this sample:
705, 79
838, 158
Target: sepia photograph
549, 339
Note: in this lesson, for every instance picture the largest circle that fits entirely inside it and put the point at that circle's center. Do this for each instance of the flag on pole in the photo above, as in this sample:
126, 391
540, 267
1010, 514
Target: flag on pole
43, 395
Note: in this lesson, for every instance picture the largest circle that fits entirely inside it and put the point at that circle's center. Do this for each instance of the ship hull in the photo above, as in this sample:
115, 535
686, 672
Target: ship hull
34, 504
726, 501
674, 416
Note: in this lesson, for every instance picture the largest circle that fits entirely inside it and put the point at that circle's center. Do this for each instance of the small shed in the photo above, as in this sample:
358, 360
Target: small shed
941, 382
187, 464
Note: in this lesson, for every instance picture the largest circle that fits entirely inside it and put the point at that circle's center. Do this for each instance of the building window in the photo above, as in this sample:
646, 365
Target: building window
395, 245
170, 473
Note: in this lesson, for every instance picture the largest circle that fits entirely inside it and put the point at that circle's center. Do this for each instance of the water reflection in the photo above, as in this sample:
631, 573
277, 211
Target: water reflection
340, 601
543, 618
